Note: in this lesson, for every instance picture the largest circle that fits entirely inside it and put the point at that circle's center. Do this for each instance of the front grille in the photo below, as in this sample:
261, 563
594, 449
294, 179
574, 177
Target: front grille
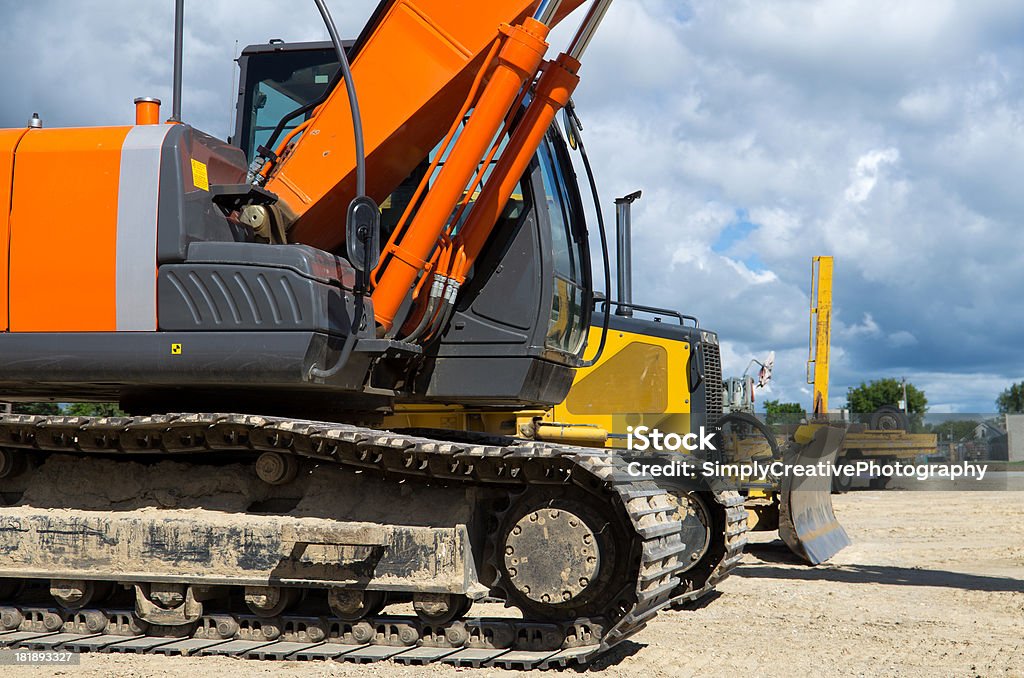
712, 382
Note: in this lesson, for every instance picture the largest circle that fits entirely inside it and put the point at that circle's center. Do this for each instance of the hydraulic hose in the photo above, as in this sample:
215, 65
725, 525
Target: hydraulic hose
353, 100
573, 127
357, 128
346, 348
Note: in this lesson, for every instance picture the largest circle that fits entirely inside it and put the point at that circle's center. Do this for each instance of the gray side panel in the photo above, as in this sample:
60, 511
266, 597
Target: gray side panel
138, 192
238, 298
308, 261
187, 214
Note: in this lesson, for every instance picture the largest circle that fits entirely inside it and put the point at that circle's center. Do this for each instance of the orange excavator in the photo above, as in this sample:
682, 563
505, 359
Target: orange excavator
412, 232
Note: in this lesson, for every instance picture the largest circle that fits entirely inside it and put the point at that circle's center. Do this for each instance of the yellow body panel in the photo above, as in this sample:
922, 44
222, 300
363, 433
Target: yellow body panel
639, 381
821, 333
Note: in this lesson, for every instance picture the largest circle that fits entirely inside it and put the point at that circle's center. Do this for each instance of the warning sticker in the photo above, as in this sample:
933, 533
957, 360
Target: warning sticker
199, 177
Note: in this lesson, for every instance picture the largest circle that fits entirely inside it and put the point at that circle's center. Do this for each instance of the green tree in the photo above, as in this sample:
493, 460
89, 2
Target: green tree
93, 410
953, 430
1011, 401
782, 413
868, 397
35, 408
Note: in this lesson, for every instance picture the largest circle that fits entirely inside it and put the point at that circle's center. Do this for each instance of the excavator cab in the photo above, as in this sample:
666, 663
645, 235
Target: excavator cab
521, 323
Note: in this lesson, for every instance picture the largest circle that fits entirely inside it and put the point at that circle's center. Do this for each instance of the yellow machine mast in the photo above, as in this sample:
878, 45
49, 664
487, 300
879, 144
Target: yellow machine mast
820, 332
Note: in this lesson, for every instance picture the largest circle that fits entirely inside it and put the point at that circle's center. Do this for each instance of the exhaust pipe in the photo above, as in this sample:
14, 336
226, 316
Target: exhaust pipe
624, 252
179, 41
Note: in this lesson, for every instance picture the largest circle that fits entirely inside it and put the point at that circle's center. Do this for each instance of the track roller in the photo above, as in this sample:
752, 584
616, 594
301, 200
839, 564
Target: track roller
353, 604
277, 469
74, 594
440, 608
270, 601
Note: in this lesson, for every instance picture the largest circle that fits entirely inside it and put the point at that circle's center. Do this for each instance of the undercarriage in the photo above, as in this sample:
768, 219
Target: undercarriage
279, 538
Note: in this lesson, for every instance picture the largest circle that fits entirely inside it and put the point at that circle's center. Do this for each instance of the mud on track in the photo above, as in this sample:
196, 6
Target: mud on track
932, 586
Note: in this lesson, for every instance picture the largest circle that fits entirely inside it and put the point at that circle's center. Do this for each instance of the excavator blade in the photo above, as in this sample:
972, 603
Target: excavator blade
807, 522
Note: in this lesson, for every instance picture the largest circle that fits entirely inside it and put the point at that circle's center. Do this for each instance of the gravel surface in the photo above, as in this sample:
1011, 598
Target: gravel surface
932, 586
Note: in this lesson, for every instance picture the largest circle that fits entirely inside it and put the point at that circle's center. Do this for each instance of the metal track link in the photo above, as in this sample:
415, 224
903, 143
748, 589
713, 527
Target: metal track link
522, 644
731, 553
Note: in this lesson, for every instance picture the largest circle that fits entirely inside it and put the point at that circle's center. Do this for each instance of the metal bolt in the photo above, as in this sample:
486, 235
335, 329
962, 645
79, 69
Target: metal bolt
52, 622
226, 628
509, 550
362, 632
512, 572
584, 582
95, 623
11, 619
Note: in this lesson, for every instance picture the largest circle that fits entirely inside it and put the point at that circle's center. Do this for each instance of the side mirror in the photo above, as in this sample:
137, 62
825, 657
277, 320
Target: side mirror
362, 234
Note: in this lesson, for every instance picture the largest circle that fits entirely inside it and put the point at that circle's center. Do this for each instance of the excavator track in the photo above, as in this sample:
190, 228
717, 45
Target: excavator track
644, 509
728, 532
724, 554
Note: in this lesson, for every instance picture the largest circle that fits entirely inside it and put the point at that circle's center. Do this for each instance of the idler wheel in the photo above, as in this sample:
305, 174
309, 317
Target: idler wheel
557, 559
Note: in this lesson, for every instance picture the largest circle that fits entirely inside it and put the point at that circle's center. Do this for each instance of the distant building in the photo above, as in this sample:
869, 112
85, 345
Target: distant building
1015, 436
988, 441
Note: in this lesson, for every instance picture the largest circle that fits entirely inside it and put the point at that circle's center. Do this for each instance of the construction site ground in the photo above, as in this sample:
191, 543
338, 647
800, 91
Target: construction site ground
932, 586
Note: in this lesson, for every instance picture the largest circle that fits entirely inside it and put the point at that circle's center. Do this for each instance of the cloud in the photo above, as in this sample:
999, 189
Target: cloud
889, 135
866, 172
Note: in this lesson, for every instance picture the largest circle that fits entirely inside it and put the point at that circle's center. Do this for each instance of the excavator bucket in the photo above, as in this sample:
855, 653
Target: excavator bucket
807, 522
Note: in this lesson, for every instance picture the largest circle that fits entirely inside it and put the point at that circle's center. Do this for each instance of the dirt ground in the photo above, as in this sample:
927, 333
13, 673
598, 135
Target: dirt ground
932, 586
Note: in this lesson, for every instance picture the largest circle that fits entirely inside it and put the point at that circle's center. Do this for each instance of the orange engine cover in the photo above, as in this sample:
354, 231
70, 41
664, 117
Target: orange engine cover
82, 229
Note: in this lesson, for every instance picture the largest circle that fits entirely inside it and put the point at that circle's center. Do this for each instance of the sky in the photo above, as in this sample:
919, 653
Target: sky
888, 135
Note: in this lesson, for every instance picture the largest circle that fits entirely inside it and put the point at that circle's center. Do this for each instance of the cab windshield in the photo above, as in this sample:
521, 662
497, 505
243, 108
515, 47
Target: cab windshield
279, 80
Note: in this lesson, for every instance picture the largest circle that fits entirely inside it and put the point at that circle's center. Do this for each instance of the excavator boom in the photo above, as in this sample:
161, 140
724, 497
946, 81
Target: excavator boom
413, 69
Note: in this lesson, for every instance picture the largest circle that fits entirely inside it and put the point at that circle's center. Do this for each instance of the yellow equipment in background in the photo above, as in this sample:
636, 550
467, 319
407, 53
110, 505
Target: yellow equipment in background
820, 333
882, 443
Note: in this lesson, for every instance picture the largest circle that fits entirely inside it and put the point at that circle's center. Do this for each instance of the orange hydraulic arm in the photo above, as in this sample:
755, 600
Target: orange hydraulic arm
412, 74
424, 66
519, 58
